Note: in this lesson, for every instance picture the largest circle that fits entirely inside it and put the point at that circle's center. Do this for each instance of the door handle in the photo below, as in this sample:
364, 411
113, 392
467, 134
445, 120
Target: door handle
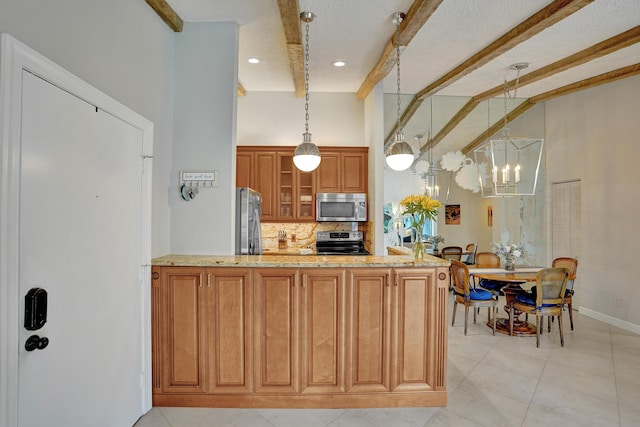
35, 342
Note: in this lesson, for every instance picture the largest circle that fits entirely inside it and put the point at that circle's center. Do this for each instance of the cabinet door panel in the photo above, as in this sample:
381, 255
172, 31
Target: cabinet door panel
230, 323
324, 330
276, 330
369, 341
329, 173
244, 167
354, 172
265, 183
185, 337
414, 293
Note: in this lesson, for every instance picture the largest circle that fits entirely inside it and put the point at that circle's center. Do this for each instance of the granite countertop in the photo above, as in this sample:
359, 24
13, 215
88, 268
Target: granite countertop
299, 261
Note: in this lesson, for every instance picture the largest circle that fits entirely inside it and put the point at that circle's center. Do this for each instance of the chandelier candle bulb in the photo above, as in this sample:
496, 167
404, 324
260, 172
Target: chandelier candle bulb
495, 174
517, 173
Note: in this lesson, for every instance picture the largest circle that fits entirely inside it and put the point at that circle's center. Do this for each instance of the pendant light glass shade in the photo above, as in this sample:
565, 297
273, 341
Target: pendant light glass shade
399, 155
307, 155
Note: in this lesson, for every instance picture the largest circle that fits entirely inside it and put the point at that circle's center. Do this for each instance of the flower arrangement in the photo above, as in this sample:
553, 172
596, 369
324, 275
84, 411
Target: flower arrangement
510, 253
421, 208
436, 240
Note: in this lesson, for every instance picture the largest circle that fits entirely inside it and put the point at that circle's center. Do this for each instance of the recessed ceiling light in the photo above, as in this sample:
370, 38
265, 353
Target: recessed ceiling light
339, 64
253, 60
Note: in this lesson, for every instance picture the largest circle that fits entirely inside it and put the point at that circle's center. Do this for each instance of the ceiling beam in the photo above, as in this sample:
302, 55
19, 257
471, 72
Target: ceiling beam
168, 15
606, 47
539, 21
418, 14
290, 17
241, 90
611, 76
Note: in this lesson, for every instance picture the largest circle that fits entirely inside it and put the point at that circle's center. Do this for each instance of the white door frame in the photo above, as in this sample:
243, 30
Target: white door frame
14, 58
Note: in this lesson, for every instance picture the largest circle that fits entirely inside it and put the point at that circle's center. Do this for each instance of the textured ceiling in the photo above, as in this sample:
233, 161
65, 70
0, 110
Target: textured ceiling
356, 31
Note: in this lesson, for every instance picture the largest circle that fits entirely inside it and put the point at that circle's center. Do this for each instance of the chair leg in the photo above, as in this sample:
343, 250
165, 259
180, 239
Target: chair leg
570, 314
455, 304
466, 316
541, 323
549, 321
475, 312
538, 326
560, 324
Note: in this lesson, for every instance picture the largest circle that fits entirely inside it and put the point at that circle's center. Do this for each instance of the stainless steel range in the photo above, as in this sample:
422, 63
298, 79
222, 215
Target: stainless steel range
340, 243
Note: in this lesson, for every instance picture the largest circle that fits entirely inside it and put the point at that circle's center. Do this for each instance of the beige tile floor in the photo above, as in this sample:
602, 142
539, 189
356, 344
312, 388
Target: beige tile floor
492, 381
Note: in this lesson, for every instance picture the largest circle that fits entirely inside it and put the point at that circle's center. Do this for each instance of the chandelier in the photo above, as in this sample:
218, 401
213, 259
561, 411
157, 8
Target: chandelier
509, 165
399, 155
307, 155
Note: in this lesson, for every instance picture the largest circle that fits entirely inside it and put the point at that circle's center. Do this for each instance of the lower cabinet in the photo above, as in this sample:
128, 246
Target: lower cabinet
289, 337
201, 330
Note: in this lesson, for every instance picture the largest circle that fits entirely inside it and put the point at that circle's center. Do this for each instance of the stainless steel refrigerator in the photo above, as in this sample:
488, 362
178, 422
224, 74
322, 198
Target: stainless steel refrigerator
248, 211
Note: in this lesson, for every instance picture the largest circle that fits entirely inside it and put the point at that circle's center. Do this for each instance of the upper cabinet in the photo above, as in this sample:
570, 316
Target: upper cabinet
343, 170
288, 194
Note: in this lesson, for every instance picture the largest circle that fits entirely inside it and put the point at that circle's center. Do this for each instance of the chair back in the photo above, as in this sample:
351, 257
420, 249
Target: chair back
551, 284
487, 260
470, 258
451, 252
459, 278
571, 264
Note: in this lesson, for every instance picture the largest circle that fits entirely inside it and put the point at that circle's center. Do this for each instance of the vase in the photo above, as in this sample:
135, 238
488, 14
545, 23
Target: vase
418, 250
508, 265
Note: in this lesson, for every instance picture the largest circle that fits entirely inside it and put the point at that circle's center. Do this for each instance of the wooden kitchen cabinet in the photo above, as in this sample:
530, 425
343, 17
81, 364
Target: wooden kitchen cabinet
180, 325
230, 330
369, 343
276, 341
323, 330
201, 324
313, 337
414, 334
296, 191
343, 170
257, 168
288, 194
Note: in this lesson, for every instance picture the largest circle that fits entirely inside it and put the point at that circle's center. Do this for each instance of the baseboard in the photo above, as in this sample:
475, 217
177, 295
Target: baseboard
622, 324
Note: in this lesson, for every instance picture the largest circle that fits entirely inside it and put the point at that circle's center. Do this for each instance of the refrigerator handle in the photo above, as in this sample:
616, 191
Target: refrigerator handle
257, 240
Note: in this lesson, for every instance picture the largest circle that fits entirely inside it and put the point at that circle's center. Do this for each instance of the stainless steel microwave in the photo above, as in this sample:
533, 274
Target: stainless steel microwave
341, 207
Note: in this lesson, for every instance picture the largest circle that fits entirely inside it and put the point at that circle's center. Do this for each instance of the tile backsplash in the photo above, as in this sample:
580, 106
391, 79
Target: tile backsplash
303, 234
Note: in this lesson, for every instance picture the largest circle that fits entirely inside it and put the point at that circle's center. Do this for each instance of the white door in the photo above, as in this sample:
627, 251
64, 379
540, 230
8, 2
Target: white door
79, 237
566, 225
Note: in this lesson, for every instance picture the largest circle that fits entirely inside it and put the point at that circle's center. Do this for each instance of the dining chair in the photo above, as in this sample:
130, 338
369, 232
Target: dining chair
451, 252
468, 297
551, 284
470, 257
571, 264
489, 260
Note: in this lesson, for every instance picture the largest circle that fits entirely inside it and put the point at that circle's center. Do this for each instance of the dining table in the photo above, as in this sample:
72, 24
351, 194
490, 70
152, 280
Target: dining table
516, 282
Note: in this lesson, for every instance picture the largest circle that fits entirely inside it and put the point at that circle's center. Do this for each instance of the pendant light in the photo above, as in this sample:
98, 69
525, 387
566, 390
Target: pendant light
399, 155
513, 162
307, 155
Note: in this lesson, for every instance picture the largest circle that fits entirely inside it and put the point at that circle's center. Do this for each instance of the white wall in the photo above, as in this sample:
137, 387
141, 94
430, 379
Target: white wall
277, 118
592, 135
122, 48
204, 137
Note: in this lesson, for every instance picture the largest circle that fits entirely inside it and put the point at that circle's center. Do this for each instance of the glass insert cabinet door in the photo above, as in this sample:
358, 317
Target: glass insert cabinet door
296, 190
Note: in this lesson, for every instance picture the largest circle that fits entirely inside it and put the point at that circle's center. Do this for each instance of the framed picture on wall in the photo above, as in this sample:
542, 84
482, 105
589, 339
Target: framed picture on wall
452, 214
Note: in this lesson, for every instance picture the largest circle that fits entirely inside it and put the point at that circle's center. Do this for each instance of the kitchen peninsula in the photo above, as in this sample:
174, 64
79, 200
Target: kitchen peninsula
299, 331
